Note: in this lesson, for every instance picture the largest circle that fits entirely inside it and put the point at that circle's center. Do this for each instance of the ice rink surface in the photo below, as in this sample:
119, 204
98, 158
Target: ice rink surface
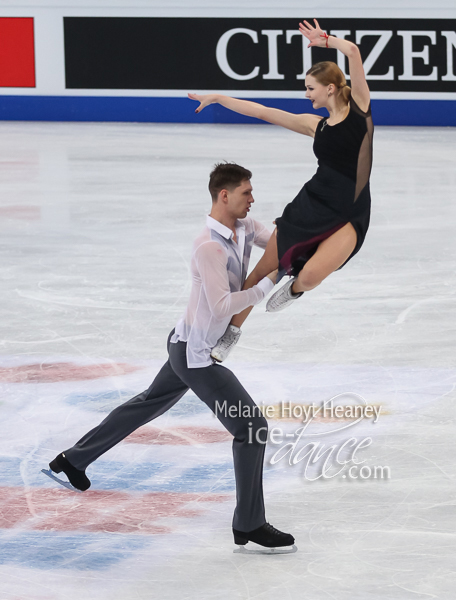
97, 223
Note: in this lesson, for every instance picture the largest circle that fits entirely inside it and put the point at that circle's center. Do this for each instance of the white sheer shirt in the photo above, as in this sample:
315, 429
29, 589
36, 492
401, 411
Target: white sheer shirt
218, 269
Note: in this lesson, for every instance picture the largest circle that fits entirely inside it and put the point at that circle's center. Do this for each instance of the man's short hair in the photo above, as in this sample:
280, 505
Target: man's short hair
226, 176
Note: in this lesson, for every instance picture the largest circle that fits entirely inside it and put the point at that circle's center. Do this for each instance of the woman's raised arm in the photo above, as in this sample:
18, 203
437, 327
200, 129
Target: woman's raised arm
302, 123
358, 83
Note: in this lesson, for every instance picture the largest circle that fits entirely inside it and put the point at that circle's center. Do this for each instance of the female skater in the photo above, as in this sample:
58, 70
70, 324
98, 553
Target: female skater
325, 225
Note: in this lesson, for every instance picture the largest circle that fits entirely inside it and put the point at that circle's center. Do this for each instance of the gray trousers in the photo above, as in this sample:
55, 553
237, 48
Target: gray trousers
210, 384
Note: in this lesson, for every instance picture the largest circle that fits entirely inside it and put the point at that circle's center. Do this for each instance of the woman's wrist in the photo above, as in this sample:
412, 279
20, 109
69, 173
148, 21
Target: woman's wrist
345, 46
217, 99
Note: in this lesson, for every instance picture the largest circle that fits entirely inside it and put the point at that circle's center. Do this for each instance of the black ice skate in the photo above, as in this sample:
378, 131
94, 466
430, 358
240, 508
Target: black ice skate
269, 539
77, 480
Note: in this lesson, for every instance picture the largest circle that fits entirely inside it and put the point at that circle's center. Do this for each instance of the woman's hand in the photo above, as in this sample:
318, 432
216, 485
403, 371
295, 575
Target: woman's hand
204, 100
315, 35
359, 88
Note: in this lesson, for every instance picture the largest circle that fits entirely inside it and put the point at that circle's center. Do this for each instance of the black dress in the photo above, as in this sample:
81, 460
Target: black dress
337, 194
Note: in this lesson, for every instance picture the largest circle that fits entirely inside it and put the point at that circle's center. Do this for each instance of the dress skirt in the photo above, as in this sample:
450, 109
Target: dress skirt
324, 205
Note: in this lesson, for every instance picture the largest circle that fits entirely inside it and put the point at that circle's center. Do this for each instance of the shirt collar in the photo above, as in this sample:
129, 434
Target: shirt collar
223, 230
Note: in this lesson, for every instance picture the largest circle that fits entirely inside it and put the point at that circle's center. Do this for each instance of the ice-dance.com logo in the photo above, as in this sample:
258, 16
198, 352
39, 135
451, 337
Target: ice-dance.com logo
321, 454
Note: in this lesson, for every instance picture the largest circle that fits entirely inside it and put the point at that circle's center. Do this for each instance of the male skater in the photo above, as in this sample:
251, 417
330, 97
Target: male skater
219, 266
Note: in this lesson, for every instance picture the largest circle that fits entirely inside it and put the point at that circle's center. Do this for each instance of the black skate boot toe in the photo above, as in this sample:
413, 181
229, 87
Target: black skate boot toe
77, 478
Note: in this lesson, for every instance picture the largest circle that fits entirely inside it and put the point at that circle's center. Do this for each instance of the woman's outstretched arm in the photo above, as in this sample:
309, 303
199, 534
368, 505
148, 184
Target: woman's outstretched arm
303, 123
358, 83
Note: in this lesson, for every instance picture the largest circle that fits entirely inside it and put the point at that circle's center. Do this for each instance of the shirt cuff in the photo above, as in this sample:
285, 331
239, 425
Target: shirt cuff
265, 285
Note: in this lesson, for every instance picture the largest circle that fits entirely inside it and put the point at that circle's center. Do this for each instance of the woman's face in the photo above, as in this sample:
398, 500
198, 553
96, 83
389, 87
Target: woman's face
316, 92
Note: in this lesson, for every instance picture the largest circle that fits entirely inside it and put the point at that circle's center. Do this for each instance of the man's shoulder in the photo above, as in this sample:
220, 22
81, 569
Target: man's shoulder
251, 225
207, 237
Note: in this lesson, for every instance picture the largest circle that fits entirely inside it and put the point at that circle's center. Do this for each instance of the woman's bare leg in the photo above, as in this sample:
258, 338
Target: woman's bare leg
330, 255
267, 263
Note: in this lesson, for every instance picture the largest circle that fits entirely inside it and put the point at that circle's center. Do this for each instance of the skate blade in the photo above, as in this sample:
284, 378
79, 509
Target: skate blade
262, 550
65, 484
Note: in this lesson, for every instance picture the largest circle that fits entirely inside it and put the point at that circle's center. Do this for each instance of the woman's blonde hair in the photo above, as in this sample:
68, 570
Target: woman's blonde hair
328, 72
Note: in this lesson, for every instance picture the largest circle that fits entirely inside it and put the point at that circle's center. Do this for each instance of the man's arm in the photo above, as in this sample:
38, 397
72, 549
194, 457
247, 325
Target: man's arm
261, 234
211, 263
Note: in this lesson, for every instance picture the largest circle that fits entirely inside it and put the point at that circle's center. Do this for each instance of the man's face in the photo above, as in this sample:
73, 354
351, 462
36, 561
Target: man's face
240, 199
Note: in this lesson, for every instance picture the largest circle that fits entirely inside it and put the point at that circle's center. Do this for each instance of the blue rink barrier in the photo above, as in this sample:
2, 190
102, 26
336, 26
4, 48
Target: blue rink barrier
182, 110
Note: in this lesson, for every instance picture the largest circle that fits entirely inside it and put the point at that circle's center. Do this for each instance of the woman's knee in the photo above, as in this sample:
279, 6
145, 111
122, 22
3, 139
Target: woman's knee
309, 278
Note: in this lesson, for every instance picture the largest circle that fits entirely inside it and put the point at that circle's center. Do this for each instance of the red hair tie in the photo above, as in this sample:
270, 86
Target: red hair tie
326, 36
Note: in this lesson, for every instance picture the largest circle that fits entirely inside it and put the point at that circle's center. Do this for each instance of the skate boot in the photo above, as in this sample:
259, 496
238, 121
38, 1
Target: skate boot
77, 480
283, 297
226, 343
269, 539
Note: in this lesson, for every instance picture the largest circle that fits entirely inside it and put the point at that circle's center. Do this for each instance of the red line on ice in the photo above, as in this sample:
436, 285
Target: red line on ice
64, 371
178, 436
98, 511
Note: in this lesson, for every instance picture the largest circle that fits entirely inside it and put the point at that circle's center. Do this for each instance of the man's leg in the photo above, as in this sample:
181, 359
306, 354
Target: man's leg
164, 392
217, 384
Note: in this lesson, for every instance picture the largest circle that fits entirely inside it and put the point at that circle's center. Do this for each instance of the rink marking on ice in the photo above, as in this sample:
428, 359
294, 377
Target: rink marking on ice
184, 289
181, 435
105, 334
64, 371
176, 477
84, 336
377, 528
404, 314
27, 487
98, 511
191, 435
138, 476
64, 301
402, 587
235, 564
35, 583
423, 457
80, 551
23, 212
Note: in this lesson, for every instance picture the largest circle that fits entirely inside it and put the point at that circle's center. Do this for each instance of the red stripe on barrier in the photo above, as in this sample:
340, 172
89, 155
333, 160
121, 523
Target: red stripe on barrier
17, 53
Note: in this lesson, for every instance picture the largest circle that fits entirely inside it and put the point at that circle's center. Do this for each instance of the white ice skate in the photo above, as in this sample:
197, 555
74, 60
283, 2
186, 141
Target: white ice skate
226, 343
252, 548
283, 297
